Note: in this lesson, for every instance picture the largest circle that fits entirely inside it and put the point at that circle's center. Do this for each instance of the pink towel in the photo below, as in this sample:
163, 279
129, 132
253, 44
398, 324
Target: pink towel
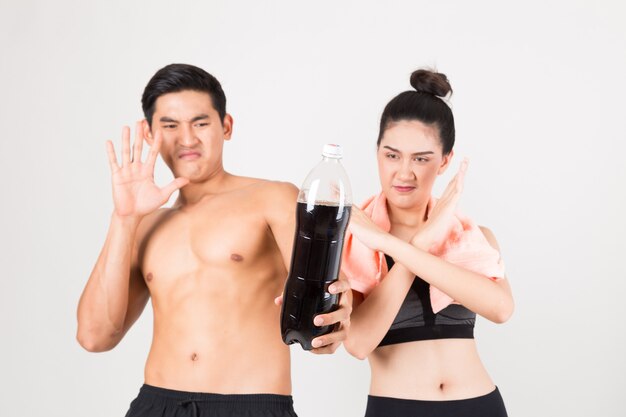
466, 246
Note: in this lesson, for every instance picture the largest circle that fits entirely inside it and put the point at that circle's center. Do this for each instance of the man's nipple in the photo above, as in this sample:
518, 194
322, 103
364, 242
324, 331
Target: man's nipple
236, 257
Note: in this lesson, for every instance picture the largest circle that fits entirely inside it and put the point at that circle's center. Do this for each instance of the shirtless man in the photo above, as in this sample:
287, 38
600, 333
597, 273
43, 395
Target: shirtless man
212, 264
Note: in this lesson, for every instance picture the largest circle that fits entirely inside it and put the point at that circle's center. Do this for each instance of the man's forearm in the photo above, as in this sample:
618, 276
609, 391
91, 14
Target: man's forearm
103, 304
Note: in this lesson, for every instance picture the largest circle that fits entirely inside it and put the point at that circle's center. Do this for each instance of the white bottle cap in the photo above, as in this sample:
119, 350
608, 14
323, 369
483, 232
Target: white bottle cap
331, 150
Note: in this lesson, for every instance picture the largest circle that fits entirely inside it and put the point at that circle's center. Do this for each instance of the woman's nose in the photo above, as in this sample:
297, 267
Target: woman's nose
405, 173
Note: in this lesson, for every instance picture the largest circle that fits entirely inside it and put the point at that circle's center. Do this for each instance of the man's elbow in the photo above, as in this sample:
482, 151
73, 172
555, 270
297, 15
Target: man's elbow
93, 343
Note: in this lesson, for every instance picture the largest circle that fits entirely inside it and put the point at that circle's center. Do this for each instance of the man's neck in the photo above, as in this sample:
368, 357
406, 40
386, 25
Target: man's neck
194, 192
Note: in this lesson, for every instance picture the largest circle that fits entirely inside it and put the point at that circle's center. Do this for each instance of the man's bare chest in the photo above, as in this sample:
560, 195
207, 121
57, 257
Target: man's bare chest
218, 236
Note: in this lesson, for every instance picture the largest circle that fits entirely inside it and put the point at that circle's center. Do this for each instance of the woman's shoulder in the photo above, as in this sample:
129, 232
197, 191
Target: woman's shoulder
491, 238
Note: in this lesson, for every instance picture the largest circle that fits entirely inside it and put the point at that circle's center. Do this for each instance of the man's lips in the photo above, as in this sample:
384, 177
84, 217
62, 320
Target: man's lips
403, 188
187, 155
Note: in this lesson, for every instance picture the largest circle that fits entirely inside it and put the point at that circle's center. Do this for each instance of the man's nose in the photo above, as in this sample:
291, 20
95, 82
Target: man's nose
188, 137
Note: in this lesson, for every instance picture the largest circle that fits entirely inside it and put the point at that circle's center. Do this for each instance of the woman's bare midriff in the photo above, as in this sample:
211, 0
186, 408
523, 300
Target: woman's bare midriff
433, 370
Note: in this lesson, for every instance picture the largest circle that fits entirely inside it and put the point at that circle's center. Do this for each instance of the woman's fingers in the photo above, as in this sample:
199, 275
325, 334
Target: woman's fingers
453, 191
357, 217
449, 191
459, 181
460, 176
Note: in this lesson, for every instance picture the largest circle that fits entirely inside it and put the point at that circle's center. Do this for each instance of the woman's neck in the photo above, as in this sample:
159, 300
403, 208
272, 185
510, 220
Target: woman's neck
407, 218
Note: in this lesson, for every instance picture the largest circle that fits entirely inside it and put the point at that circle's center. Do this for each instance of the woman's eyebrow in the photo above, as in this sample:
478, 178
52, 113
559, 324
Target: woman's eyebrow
413, 154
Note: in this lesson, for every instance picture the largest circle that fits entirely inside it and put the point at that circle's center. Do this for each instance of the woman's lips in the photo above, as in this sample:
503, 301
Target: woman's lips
403, 188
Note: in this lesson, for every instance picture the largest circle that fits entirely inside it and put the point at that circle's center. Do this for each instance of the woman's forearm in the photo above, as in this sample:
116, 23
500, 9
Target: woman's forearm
371, 319
488, 298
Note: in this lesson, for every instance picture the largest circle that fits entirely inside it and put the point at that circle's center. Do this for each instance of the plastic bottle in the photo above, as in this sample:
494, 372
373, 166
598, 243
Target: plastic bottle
322, 215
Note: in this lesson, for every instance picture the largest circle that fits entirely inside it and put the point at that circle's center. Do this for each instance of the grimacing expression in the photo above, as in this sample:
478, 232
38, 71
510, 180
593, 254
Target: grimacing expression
192, 132
410, 157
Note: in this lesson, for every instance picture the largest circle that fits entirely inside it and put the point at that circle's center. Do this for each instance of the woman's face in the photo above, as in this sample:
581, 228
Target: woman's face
409, 160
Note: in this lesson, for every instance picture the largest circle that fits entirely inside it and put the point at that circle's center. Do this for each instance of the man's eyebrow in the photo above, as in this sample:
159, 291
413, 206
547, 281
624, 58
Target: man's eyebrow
166, 119
413, 154
200, 117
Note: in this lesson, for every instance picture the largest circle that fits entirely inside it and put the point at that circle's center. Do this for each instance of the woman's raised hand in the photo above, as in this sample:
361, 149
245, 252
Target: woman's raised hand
441, 218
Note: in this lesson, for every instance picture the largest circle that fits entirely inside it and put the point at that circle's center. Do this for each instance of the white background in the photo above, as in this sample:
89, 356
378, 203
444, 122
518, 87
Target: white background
539, 105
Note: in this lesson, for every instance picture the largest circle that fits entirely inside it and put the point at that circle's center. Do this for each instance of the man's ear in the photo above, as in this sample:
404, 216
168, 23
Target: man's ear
227, 124
445, 162
147, 132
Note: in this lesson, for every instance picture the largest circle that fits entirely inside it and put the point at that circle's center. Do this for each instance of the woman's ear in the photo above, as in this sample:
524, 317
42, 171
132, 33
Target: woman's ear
445, 162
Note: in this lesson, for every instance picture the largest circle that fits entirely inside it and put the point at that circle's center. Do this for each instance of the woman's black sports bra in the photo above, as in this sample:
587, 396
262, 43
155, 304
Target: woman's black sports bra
416, 320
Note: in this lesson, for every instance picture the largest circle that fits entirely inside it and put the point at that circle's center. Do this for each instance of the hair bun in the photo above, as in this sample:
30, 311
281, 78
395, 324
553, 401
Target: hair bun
430, 82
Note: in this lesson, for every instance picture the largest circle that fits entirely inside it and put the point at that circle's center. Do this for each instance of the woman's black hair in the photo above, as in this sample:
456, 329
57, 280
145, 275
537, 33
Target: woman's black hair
179, 77
425, 105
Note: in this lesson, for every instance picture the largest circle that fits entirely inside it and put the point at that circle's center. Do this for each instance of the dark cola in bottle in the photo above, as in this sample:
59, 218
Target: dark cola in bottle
322, 215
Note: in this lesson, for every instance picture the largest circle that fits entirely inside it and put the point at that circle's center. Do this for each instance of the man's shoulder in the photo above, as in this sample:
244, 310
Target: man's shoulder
273, 198
279, 188
152, 220
264, 188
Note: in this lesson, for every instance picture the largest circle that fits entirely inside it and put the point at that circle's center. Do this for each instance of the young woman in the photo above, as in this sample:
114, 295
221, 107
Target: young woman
421, 271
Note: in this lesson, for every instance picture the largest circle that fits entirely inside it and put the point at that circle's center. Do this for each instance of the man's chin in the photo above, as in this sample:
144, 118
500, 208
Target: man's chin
188, 170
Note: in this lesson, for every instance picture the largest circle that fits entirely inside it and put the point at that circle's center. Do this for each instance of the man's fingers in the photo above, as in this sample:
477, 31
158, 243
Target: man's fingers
278, 300
125, 146
154, 150
337, 316
329, 349
138, 145
329, 339
339, 286
173, 186
112, 157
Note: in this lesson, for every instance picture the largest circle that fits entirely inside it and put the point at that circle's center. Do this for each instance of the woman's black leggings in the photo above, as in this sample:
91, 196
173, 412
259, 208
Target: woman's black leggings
490, 405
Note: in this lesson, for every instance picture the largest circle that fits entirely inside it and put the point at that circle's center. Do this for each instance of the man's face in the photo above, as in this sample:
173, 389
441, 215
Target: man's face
193, 134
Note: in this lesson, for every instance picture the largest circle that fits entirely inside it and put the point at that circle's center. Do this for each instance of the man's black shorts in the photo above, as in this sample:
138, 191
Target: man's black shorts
161, 402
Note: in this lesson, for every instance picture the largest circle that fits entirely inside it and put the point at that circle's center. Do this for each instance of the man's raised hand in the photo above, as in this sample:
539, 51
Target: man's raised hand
134, 192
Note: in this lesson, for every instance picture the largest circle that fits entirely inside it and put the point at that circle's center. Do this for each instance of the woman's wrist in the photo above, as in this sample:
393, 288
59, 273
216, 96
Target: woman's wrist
420, 241
386, 242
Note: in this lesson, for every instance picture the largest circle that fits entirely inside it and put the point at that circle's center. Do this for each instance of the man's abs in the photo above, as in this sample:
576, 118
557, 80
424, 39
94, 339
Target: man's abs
225, 345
